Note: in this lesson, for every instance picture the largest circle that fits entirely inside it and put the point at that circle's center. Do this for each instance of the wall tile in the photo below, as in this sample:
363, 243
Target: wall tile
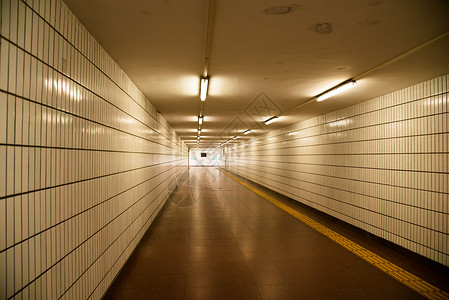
381, 165
86, 162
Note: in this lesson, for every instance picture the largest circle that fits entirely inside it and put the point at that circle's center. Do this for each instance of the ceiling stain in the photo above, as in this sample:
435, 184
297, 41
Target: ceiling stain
375, 2
323, 28
281, 9
369, 22
277, 10
341, 68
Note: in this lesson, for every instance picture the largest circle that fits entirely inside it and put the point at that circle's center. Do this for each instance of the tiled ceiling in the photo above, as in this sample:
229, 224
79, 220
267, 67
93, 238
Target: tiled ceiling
267, 56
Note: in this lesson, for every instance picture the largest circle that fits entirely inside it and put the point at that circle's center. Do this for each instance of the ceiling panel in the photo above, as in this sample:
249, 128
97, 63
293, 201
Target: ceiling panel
263, 63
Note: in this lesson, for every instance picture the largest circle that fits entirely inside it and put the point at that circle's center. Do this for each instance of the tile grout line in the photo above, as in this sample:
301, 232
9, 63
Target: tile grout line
415, 283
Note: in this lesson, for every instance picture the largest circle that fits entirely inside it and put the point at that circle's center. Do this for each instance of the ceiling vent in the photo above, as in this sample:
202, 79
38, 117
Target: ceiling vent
278, 10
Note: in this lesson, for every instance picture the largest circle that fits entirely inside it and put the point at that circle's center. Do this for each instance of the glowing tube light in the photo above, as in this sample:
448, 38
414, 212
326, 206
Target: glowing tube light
270, 120
336, 90
203, 88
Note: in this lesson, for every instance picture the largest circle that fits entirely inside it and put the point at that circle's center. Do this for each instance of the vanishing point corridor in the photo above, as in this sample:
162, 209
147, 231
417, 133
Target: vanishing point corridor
216, 239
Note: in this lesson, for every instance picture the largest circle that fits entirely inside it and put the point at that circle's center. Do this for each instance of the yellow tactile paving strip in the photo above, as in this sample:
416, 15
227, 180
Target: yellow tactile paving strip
415, 283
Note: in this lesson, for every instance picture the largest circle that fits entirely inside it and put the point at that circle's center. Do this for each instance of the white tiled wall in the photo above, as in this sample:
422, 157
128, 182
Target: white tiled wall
381, 165
86, 162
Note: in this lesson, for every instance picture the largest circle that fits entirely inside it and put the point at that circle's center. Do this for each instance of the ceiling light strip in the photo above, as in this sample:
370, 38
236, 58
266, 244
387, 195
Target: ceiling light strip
204, 85
209, 35
381, 66
348, 83
336, 90
270, 120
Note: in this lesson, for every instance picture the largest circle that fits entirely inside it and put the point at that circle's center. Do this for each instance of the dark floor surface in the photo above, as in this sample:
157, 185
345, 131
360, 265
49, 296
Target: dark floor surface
215, 239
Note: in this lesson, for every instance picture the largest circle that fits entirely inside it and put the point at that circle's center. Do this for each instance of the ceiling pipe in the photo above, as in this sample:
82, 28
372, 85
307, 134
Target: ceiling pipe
208, 48
209, 35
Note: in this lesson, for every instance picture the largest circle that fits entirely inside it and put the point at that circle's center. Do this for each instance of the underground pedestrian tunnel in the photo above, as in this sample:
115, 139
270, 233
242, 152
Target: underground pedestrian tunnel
224, 149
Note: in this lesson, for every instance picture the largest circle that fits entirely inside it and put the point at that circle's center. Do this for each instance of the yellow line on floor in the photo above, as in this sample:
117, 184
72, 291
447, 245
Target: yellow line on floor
415, 283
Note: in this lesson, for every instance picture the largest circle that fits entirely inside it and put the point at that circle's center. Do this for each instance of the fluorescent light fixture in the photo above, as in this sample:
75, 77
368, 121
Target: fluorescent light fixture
248, 131
203, 87
337, 90
270, 120
199, 130
200, 120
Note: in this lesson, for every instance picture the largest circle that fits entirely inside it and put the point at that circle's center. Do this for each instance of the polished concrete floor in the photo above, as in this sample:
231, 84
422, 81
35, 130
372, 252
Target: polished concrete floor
215, 239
